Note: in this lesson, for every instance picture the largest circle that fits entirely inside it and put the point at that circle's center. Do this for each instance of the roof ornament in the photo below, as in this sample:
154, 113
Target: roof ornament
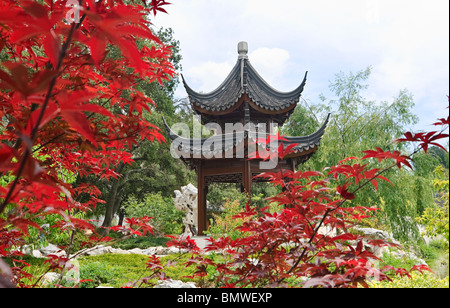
243, 50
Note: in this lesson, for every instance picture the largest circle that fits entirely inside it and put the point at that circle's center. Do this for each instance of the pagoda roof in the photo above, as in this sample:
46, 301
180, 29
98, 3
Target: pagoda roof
244, 79
190, 147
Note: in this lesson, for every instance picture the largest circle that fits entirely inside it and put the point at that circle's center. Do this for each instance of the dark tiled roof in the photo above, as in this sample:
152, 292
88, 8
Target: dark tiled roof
244, 79
218, 144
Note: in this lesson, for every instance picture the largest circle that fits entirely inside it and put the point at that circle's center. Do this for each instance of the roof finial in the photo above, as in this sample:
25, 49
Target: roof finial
243, 50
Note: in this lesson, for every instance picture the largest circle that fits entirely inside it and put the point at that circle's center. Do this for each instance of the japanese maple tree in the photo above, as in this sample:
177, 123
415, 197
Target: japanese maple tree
68, 107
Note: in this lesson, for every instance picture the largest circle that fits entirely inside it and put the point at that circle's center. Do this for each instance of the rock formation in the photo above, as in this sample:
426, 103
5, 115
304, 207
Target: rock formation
186, 201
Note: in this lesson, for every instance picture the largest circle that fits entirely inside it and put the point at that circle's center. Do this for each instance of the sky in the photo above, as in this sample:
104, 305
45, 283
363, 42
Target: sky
406, 42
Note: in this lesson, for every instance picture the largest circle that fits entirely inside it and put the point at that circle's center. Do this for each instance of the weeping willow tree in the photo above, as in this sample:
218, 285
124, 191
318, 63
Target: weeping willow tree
359, 124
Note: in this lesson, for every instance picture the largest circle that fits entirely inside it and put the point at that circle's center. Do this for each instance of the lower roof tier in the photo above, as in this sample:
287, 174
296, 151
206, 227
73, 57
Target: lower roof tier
245, 144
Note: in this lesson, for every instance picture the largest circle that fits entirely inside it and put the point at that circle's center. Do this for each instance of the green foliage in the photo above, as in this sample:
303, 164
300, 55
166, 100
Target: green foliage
417, 280
220, 194
398, 262
141, 242
436, 255
302, 122
402, 202
40, 238
166, 218
225, 224
5, 179
441, 155
98, 273
358, 124
111, 269
116, 270
36, 267
435, 218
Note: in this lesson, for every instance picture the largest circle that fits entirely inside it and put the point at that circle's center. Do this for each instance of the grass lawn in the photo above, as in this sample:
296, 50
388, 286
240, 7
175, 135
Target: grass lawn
121, 270
116, 270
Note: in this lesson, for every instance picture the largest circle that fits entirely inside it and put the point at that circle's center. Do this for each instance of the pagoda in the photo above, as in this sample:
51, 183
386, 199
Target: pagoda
249, 106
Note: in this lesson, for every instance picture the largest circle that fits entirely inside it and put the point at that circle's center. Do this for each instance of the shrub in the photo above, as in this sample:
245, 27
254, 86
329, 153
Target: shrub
225, 224
141, 242
166, 218
98, 272
417, 280
435, 218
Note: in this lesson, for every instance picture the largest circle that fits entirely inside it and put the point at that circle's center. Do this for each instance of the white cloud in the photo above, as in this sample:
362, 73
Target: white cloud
271, 63
207, 76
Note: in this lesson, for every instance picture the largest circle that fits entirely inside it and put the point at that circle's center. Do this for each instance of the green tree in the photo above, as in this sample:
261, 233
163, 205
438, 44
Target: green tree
441, 155
435, 218
358, 124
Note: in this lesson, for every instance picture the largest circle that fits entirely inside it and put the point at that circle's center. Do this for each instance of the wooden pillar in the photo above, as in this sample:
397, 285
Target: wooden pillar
202, 191
247, 179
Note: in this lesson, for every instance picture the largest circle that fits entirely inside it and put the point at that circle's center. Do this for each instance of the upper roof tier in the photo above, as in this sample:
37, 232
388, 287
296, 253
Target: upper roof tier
244, 79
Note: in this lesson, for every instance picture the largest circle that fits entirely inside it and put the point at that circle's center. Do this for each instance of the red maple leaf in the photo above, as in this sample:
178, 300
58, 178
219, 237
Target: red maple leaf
424, 139
343, 191
156, 5
381, 155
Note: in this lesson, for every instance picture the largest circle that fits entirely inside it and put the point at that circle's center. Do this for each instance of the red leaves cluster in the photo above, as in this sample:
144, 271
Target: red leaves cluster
271, 148
425, 139
69, 105
183, 243
157, 5
308, 243
135, 226
382, 155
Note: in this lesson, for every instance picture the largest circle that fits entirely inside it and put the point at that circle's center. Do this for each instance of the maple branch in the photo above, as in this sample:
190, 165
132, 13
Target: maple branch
361, 187
328, 211
35, 130
90, 115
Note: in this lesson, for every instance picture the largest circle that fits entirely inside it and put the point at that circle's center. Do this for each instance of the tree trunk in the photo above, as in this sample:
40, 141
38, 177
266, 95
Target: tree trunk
112, 204
121, 216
